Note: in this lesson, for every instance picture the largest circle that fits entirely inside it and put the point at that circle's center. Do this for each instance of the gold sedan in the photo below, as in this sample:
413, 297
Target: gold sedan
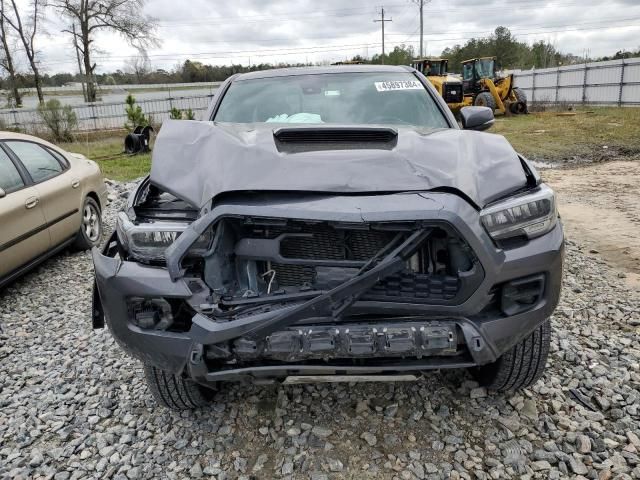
49, 199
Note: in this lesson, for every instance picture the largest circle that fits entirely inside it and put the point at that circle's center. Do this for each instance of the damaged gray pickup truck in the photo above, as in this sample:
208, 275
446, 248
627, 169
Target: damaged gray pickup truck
332, 223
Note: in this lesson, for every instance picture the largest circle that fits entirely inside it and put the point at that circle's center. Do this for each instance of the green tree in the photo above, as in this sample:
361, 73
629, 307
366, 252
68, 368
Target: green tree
400, 55
508, 50
135, 116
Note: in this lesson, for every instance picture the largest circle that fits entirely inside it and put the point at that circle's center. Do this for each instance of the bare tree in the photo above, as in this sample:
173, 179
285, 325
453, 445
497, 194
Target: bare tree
139, 65
6, 59
121, 16
27, 33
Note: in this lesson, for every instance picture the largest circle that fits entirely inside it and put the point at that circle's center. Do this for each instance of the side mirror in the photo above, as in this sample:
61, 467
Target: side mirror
2, 193
476, 118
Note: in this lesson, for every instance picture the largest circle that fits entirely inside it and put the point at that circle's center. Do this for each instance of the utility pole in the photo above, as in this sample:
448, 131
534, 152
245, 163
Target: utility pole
421, 4
382, 20
421, 26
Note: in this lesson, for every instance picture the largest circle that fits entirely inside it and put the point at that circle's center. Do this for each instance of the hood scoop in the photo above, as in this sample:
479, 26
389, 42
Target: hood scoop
335, 134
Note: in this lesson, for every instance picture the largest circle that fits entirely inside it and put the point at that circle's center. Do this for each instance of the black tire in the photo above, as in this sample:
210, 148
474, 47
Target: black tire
90, 233
175, 392
520, 106
485, 99
521, 96
521, 366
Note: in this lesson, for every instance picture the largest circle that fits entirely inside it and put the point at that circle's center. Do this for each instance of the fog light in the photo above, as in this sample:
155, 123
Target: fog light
150, 313
521, 295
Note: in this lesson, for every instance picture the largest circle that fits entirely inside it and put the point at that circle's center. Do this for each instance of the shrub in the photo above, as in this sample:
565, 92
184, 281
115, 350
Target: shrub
135, 116
177, 114
60, 120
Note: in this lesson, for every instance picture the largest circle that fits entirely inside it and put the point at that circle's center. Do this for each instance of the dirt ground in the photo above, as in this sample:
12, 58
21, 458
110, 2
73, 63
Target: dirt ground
600, 208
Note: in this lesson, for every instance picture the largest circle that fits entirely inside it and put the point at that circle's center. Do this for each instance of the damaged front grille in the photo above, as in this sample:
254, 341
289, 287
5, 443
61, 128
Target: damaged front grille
327, 243
412, 287
257, 260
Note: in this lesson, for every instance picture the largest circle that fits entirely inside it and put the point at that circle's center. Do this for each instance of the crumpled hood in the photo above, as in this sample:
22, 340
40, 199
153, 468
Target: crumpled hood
196, 161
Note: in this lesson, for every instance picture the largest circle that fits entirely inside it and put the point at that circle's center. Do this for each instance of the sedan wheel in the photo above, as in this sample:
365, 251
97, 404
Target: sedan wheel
91, 222
90, 232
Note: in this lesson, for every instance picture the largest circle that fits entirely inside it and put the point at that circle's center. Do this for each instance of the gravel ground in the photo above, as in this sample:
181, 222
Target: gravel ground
73, 406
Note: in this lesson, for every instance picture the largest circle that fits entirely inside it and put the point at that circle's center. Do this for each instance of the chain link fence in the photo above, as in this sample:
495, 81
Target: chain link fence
104, 116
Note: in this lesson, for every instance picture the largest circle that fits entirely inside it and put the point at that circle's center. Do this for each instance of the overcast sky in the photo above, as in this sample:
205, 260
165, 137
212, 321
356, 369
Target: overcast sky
244, 31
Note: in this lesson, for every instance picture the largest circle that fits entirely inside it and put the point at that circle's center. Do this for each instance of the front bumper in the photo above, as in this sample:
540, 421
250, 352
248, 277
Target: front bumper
486, 337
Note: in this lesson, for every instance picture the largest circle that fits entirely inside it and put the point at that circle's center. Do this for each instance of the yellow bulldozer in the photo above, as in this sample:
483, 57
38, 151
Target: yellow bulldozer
483, 87
448, 86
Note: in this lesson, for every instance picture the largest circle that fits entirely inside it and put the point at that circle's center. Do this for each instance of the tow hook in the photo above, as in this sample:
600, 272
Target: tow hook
197, 368
196, 354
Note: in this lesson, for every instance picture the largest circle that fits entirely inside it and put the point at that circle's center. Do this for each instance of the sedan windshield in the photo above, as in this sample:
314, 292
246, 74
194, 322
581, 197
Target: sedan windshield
395, 98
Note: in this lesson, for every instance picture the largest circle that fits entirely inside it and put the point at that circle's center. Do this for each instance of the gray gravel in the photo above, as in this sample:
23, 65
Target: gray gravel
73, 406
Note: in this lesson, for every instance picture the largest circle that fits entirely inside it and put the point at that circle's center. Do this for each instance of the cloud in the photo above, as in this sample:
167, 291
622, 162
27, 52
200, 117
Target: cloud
257, 31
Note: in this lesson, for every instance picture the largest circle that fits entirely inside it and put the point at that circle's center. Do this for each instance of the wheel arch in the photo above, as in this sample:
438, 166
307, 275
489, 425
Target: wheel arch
95, 196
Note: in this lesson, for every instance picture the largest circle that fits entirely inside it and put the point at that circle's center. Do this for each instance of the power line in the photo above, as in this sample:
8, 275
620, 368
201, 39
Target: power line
238, 53
539, 25
313, 15
564, 30
317, 37
360, 12
408, 36
516, 32
335, 48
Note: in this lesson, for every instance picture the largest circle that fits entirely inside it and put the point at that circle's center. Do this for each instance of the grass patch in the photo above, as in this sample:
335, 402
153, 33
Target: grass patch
117, 167
554, 137
126, 168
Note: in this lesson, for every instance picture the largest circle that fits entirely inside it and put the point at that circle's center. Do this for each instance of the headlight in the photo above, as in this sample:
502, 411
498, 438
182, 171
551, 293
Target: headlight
529, 215
148, 241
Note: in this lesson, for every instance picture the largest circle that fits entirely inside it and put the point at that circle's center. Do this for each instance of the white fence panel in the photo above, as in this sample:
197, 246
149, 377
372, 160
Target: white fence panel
631, 95
602, 94
569, 95
546, 79
600, 75
632, 72
544, 95
614, 82
571, 77
525, 81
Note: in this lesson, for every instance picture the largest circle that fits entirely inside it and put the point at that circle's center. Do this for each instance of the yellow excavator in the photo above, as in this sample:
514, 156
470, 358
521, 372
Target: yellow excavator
483, 87
448, 86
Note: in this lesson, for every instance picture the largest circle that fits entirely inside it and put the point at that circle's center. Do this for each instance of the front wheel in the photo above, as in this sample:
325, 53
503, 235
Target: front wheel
485, 99
174, 391
522, 365
90, 232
